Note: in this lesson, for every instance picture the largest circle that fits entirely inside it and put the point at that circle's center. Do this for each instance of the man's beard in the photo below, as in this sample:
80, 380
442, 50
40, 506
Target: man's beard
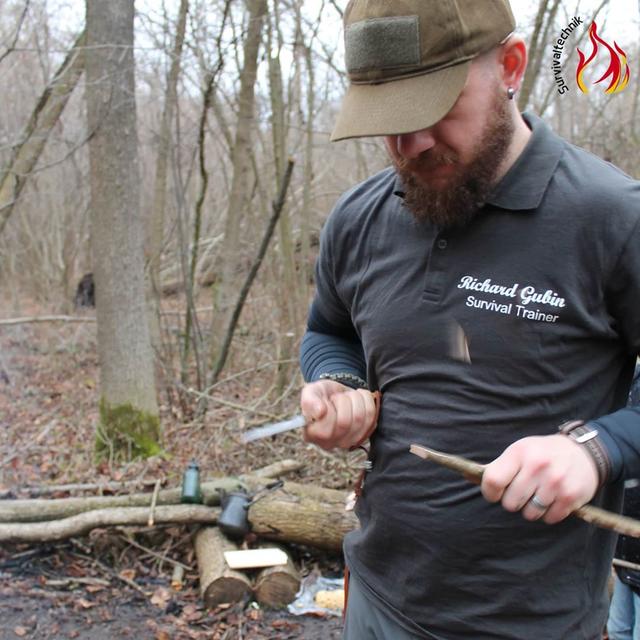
466, 192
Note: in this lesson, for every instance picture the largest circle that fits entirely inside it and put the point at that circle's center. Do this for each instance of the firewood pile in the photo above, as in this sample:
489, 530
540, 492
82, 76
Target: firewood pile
276, 514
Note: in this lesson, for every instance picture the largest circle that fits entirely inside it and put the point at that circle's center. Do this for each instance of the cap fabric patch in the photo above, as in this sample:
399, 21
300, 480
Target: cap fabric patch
382, 43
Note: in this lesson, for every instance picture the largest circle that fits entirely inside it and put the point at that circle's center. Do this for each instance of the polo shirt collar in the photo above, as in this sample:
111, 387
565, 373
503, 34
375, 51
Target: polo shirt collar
526, 182
524, 185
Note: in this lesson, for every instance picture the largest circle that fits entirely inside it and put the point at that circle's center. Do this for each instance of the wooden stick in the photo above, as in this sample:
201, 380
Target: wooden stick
278, 469
176, 563
122, 516
154, 499
32, 319
473, 472
69, 488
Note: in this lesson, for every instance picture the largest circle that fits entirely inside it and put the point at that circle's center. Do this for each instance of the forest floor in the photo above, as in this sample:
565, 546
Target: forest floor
116, 583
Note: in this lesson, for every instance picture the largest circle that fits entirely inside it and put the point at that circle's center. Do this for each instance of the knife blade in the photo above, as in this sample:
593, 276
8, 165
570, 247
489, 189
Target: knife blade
273, 428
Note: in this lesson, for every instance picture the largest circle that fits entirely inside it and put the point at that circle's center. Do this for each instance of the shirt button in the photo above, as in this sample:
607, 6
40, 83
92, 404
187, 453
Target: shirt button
442, 243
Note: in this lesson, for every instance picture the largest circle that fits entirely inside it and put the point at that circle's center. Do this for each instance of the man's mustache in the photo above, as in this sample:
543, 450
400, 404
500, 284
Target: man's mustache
426, 161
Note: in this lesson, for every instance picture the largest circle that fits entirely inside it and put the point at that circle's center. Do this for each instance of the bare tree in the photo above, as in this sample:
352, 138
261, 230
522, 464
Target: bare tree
156, 222
547, 10
241, 168
129, 422
42, 120
16, 36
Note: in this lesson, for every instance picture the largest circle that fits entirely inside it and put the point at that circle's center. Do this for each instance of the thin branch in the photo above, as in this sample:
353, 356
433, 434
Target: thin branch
36, 319
84, 522
12, 46
473, 471
175, 563
278, 205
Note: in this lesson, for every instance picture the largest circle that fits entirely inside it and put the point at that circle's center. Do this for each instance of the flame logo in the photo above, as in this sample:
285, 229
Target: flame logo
618, 69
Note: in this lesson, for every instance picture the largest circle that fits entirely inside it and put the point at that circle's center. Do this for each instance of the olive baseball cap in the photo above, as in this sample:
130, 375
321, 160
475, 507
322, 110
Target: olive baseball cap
408, 60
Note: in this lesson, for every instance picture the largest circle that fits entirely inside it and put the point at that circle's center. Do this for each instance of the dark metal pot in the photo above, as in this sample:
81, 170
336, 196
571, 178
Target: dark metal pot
234, 520
234, 512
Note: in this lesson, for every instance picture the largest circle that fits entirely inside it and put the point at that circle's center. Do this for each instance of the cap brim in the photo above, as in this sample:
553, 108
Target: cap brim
399, 106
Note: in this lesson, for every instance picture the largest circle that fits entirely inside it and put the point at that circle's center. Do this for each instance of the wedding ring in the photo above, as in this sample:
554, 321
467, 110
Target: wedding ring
537, 503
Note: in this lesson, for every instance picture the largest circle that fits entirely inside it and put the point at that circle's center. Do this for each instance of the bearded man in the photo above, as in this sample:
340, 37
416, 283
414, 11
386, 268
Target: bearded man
488, 284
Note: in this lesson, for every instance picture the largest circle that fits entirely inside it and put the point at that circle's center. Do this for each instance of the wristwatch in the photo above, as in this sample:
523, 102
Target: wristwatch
586, 435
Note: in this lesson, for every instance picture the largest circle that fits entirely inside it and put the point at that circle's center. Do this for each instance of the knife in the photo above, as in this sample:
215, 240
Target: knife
273, 428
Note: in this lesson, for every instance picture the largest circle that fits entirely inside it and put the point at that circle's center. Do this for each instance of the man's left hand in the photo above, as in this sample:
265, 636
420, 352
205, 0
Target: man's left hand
559, 472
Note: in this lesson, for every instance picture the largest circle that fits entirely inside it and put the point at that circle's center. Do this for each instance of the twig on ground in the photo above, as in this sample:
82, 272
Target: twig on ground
37, 440
112, 572
34, 319
154, 499
155, 554
99, 487
66, 582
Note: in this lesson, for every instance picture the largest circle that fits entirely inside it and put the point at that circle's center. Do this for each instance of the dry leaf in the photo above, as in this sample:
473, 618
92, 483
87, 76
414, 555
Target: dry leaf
162, 635
128, 574
20, 631
85, 604
94, 588
160, 597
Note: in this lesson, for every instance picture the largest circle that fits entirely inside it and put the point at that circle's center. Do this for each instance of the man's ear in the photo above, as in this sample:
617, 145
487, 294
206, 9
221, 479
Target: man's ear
513, 61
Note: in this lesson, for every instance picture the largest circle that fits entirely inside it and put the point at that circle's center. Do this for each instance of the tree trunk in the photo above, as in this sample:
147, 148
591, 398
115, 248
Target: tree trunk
537, 48
42, 120
241, 167
129, 423
305, 259
155, 232
287, 283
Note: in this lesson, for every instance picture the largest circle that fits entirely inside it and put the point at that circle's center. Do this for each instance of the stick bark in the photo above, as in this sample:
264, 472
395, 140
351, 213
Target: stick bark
473, 472
82, 523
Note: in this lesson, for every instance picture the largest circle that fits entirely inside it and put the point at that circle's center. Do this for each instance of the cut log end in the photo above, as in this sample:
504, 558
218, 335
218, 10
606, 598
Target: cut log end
277, 589
277, 586
218, 583
227, 590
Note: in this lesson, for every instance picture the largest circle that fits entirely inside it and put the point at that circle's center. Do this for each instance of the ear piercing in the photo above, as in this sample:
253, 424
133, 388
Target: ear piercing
510, 93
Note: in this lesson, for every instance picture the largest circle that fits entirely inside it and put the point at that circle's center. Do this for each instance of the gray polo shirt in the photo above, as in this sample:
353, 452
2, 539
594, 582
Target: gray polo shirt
477, 337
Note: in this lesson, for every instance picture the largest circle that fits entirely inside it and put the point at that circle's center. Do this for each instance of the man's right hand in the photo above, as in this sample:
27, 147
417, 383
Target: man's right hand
337, 415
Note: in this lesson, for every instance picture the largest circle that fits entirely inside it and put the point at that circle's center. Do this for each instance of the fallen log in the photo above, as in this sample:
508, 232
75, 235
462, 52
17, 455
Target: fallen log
302, 514
42, 509
218, 583
38, 510
277, 586
294, 513
82, 523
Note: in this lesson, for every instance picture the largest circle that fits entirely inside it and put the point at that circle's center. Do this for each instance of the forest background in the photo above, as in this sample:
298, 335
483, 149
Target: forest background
185, 162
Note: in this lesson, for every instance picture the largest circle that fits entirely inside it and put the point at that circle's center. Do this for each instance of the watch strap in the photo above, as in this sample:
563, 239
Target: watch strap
587, 436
